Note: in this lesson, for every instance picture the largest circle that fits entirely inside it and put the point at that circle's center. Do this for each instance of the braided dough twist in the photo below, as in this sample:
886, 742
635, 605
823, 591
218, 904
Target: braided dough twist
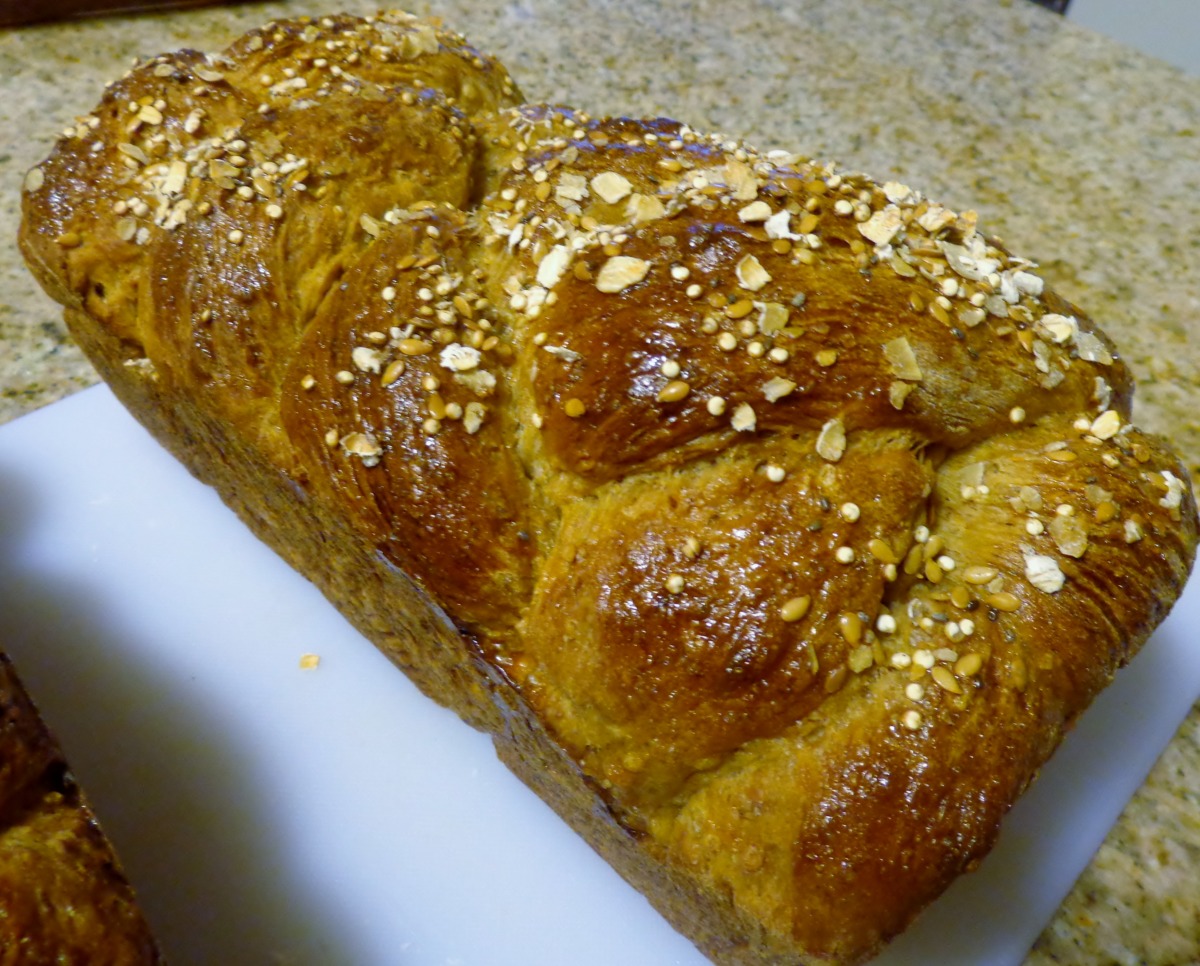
775, 521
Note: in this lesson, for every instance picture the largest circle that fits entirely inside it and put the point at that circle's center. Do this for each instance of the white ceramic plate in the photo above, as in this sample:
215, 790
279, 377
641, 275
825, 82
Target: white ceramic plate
271, 814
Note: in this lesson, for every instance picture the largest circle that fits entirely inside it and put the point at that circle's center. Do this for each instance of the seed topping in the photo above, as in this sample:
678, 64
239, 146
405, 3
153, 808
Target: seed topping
620, 272
831, 442
611, 187
744, 419
1044, 573
795, 609
751, 275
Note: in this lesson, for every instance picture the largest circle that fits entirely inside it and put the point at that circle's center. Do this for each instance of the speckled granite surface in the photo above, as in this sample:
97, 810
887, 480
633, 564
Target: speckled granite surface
1078, 152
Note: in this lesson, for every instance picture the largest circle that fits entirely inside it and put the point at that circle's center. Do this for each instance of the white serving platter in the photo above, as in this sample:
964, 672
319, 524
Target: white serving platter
270, 814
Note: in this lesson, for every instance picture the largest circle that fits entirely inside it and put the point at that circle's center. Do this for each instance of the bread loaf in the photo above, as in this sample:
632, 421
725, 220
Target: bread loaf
776, 523
63, 897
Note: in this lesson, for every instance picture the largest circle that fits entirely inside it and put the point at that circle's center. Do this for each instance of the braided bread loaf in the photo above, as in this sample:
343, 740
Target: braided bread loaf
63, 896
776, 523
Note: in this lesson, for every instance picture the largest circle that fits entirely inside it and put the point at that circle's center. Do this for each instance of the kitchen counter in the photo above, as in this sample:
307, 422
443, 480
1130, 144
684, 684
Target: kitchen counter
1075, 150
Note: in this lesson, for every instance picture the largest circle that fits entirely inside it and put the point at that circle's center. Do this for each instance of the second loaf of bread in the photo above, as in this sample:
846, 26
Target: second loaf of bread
775, 522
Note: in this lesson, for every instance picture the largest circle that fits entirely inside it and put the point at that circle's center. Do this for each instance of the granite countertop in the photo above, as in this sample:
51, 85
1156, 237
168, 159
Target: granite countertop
1075, 150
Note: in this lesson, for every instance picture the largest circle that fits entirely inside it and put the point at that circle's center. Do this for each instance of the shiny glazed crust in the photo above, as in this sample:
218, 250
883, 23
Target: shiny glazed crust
776, 523
63, 897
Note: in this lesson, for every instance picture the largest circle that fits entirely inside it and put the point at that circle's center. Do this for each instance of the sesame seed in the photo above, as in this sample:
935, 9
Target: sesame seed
901, 660
911, 719
694, 291
914, 691
674, 584
670, 369
679, 272
795, 609
775, 473
1016, 414
923, 658
978, 575
1034, 528
674, 391
881, 551
885, 624
394, 370
727, 342
850, 627
778, 354
715, 405
739, 309
968, 665
849, 511
344, 376
844, 555
945, 679
236, 236
574, 408
1003, 601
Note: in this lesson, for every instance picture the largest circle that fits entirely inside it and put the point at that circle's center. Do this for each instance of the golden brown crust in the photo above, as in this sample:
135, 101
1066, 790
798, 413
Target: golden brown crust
63, 897
775, 522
